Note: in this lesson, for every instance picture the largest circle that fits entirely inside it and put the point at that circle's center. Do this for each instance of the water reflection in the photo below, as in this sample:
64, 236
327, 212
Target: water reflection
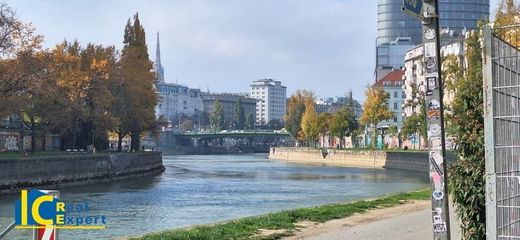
205, 189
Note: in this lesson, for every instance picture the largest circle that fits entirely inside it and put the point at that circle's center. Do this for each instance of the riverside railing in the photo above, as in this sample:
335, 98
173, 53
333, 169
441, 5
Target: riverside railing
6, 231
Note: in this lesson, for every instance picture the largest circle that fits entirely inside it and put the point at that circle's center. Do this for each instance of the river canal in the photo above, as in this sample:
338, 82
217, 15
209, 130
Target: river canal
206, 189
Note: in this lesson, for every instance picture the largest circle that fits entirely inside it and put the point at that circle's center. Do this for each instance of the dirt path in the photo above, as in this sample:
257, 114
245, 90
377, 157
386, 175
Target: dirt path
411, 221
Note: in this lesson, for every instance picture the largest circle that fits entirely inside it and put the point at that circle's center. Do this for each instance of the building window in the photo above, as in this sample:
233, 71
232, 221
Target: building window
403, 94
395, 94
395, 119
395, 106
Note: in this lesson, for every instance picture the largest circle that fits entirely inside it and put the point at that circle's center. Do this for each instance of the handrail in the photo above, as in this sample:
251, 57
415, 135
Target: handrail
7, 230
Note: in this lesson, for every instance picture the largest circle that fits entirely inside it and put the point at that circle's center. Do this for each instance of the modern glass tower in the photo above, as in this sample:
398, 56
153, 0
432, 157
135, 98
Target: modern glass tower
463, 14
394, 26
392, 23
455, 15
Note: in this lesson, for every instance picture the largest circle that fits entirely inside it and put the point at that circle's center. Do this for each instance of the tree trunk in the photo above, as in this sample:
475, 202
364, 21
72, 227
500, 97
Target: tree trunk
33, 138
44, 138
21, 137
74, 132
120, 137
375, 137
135, 140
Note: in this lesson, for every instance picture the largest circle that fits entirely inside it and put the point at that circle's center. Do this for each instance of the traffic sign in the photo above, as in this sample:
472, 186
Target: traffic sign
414, 8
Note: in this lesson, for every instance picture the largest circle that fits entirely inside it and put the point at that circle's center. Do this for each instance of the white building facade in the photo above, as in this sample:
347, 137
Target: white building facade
415, 78
272, 100
392, 83
176, 100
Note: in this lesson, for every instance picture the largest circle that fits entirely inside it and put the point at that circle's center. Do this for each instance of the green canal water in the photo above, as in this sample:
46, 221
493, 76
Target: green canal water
207, 189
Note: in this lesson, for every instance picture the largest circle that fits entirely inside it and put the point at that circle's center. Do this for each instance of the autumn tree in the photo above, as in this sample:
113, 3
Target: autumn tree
508, 14
100, 66
137, 79
239, 119
324, 124
343, 124
40, 100
18, 43
66, 69
217, 116
310, 124
295, 111
375, 109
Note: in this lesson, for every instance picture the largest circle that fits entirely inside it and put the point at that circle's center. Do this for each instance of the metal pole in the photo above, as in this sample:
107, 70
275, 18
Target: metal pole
435, 122
428, 12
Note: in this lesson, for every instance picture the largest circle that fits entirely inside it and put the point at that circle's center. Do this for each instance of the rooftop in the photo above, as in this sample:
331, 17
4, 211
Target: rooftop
392, 79
267, 82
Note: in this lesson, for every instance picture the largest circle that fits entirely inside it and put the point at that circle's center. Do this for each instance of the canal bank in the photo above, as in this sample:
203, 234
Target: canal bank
294, 222
400, 160
201, 189
76, 169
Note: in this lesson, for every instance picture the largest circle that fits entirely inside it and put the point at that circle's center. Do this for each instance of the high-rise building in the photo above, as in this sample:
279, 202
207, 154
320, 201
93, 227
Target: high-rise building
390, 55
393, 23
272, 100
462, 15
175, 100
456, 18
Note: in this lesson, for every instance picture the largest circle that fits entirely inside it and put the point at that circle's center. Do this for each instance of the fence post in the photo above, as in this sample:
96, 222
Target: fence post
487, 67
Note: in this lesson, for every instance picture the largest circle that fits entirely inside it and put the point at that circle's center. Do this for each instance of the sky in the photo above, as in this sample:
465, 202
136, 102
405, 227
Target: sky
327, 46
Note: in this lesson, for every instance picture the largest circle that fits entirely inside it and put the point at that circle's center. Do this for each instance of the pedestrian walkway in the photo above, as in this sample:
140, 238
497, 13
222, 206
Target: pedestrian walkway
405, 222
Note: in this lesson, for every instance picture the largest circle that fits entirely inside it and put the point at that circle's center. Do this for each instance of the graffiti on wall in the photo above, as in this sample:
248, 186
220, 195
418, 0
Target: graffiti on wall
9, 143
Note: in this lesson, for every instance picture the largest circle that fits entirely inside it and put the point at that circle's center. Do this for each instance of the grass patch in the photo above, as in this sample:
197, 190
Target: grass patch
249, 228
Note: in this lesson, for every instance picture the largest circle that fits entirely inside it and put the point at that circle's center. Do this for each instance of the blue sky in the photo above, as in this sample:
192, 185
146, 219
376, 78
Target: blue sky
223, 45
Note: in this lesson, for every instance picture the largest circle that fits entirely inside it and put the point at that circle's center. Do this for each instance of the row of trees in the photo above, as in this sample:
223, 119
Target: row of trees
306, 125
240, 120
81, 93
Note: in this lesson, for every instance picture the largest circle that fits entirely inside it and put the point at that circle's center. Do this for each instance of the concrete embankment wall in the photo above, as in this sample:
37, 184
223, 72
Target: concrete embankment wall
62, 171
411, 161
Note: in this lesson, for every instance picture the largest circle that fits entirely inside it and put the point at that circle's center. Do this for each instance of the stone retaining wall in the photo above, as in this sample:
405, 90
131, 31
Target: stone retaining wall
411, 161
61, 171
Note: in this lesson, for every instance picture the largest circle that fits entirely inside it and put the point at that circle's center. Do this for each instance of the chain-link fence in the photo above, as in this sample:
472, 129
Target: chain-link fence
502, 133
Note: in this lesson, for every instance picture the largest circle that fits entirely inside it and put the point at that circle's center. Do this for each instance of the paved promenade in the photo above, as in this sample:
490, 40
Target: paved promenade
406, 222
